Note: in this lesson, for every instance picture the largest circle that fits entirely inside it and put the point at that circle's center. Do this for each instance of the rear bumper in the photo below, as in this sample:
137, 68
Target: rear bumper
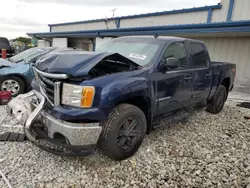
54, 135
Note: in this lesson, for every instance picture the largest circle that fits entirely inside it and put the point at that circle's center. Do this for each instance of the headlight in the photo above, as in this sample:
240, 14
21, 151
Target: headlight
78, 96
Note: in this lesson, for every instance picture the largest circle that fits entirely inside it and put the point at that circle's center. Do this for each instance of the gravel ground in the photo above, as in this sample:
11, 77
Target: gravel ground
205, 150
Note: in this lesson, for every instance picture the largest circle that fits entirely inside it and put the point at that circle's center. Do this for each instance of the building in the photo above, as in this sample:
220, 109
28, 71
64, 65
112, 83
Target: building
225, 28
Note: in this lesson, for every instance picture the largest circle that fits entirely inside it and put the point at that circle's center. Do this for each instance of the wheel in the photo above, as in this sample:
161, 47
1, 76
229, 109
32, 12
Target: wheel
123, 132
13, 84
216, 104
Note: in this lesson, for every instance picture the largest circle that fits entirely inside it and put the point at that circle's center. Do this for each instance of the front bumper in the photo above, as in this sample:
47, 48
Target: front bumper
53, 135
76, 133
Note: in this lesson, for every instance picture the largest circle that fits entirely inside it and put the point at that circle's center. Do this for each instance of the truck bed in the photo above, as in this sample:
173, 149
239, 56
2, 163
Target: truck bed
222, 70
219, 63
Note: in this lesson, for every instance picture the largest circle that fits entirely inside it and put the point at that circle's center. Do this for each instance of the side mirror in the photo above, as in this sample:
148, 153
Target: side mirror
172, 63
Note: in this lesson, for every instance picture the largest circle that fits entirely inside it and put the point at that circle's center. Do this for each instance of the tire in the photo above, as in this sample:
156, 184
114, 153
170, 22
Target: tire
216, 104
14, 79
117, 128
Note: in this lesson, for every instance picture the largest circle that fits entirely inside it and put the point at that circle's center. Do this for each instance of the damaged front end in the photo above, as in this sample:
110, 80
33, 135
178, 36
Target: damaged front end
50, 134
60, 81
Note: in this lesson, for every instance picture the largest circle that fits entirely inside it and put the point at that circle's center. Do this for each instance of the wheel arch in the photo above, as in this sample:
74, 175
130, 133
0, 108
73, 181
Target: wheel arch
226, 82
22, 77
144, 104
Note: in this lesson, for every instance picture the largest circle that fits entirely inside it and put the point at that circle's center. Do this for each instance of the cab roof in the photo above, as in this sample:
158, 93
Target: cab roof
159, 38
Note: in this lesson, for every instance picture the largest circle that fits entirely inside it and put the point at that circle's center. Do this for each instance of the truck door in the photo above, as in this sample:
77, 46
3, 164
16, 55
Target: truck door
202, 72
174, 86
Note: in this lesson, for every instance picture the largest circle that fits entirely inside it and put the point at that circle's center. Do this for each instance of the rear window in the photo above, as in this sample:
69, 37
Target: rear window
199, 55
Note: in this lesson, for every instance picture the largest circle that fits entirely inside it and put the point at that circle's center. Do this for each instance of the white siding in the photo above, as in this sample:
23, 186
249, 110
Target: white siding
43, 43
173, 19
84, 26
241, 10
60, 42
220, 15
235, 50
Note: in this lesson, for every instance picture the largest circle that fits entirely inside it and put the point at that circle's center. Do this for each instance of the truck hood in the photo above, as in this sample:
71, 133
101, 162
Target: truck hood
77, 63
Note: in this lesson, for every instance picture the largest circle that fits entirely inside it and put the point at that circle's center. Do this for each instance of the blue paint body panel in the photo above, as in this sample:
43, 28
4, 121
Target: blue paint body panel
165, 91
80, 64
22, 69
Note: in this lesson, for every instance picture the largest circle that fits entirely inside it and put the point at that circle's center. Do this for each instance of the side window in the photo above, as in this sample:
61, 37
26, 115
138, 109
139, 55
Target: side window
175, 56
198, 55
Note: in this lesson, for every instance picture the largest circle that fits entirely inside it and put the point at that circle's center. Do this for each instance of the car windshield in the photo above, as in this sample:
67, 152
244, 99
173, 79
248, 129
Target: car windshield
140, 51
27, 55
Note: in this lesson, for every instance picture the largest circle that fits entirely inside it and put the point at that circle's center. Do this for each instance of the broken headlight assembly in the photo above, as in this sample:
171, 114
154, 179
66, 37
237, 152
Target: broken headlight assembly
78, 96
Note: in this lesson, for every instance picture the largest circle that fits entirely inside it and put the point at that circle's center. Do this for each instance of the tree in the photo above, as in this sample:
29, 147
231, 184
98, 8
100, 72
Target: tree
24, 40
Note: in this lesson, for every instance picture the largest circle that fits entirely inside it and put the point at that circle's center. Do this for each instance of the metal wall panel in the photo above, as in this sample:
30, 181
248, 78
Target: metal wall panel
84, 26
60, 42
241, 10
221, 15
235, 50
174, 19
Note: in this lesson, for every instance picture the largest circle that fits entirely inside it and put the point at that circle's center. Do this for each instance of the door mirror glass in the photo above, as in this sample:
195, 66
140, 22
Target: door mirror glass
172, 63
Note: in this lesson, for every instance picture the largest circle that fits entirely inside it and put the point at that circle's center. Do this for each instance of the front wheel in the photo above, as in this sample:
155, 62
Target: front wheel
216, 104
123, 132
13, 84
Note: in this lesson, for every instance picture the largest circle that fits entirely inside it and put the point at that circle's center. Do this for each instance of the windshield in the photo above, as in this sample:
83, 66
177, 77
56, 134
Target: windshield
27, 55
140, 51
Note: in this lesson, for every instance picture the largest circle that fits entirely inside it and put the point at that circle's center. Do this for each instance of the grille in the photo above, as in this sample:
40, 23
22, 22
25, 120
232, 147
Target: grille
47, 85
50, 85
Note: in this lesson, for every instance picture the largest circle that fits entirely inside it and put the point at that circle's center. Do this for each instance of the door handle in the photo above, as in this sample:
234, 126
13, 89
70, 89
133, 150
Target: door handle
187, 77
208, 74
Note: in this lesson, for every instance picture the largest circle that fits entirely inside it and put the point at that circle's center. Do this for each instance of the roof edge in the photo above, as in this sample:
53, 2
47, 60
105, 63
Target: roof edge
169, 27
187, 10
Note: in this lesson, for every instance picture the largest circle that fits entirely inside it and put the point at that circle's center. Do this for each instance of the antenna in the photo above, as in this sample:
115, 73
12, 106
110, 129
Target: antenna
106, 22
113, 10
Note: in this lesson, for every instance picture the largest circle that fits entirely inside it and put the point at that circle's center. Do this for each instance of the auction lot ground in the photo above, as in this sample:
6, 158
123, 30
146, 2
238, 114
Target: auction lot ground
205, 150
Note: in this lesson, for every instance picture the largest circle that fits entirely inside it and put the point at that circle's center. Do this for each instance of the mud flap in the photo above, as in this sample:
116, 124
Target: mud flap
13, 137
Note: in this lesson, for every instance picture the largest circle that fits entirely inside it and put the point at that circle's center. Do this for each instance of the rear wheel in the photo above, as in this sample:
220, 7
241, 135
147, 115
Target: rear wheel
123, 132
13, 84
216, 104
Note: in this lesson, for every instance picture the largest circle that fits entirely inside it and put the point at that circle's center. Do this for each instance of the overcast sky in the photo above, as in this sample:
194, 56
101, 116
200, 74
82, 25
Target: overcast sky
18, 17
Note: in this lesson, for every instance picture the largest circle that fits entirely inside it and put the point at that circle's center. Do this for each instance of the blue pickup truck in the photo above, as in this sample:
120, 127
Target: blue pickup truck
110, 98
